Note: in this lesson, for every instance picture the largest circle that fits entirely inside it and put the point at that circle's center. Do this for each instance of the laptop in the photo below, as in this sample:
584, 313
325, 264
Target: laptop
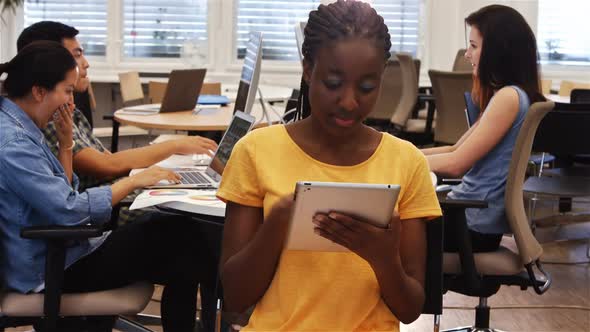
181, 93
209, 178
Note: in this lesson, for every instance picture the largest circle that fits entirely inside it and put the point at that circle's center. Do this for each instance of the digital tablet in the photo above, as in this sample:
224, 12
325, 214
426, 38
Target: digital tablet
373, 203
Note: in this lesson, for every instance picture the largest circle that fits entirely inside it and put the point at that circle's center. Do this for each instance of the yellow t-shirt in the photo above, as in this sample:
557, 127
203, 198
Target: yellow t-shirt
322, 291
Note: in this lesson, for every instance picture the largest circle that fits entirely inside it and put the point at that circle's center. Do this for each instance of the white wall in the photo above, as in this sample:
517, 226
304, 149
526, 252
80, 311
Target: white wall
8, 34
447, 28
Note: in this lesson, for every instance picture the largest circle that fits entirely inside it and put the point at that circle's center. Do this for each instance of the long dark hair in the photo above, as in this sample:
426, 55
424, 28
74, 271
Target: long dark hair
344, 18
41, 63
509, 54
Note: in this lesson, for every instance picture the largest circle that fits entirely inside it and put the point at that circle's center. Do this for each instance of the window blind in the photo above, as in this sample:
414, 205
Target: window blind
88, 16
165, 29
563, 33
276, 20
402, 18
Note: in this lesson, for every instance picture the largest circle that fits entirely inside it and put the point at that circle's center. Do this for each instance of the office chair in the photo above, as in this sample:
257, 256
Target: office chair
563, 133
449, 89
418, 131
580, 96
389, 96
210, 88
566, 87
433, 283
482, 274
460, 63
546, 86
51, 310
131, 94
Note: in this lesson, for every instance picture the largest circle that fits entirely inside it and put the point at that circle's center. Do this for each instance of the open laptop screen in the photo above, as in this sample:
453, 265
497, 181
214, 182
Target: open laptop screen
237, 129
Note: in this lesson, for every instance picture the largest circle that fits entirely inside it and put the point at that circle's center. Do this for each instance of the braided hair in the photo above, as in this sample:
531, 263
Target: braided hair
338, 20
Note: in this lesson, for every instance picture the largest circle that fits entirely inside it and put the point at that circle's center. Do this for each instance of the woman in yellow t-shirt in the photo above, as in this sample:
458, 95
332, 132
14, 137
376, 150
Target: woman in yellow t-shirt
381, 280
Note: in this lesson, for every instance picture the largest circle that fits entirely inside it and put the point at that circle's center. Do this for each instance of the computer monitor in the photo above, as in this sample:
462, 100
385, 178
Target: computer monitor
250, 74
299, 37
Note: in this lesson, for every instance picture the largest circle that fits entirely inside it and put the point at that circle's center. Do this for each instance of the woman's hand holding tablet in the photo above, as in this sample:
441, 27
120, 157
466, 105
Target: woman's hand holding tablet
339, 212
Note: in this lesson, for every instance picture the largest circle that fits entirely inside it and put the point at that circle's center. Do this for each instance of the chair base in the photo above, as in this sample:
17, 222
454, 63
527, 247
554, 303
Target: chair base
126, 325
471, 329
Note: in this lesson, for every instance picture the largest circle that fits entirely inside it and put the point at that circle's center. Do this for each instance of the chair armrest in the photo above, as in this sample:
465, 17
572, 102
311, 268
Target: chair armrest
455, 221
425, 89
422, 97
448, 203
114, 222
61, 232
450, 181
426, 97
108, 117
56, 238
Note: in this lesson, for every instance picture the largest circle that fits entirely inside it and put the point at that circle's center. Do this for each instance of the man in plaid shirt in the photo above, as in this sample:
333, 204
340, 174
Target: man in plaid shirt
94, 164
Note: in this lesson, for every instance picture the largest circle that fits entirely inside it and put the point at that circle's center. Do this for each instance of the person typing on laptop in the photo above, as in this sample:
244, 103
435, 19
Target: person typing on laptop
92, 161
505, 76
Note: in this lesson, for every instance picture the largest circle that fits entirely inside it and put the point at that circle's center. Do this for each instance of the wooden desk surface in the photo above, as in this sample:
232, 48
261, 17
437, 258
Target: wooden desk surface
206, 120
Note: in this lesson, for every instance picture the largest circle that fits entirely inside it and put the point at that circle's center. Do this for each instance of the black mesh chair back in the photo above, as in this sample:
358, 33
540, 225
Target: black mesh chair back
433, 284
564, 131
580, 96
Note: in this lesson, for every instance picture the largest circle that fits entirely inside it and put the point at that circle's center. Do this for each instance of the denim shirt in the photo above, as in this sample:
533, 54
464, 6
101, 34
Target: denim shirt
34, 191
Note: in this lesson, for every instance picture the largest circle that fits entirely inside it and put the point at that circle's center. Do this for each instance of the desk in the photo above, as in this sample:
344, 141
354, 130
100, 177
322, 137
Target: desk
558, 98
206, 120
217, 209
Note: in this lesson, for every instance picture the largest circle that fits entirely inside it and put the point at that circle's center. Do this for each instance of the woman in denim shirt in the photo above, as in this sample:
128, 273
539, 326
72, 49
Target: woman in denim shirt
36, 189
503, 52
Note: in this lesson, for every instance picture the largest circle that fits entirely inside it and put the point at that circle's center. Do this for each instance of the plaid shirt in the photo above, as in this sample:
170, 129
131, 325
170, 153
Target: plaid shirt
84, 138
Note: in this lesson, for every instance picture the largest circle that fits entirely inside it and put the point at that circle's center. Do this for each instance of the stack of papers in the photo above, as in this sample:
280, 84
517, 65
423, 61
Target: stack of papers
196, 201
149, 109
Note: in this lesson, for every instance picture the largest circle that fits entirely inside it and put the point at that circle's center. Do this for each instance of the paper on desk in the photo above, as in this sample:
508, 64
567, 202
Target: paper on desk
203, 198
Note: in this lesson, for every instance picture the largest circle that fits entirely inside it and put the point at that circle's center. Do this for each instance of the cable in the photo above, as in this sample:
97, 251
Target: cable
264, 113
530, 306
264, 110
272, 108
289, 112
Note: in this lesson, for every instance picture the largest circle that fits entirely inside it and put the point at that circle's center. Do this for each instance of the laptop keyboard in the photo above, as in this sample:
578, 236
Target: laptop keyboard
193, 178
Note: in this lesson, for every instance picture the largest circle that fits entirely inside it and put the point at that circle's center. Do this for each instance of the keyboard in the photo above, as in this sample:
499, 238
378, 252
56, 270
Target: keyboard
193, 178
